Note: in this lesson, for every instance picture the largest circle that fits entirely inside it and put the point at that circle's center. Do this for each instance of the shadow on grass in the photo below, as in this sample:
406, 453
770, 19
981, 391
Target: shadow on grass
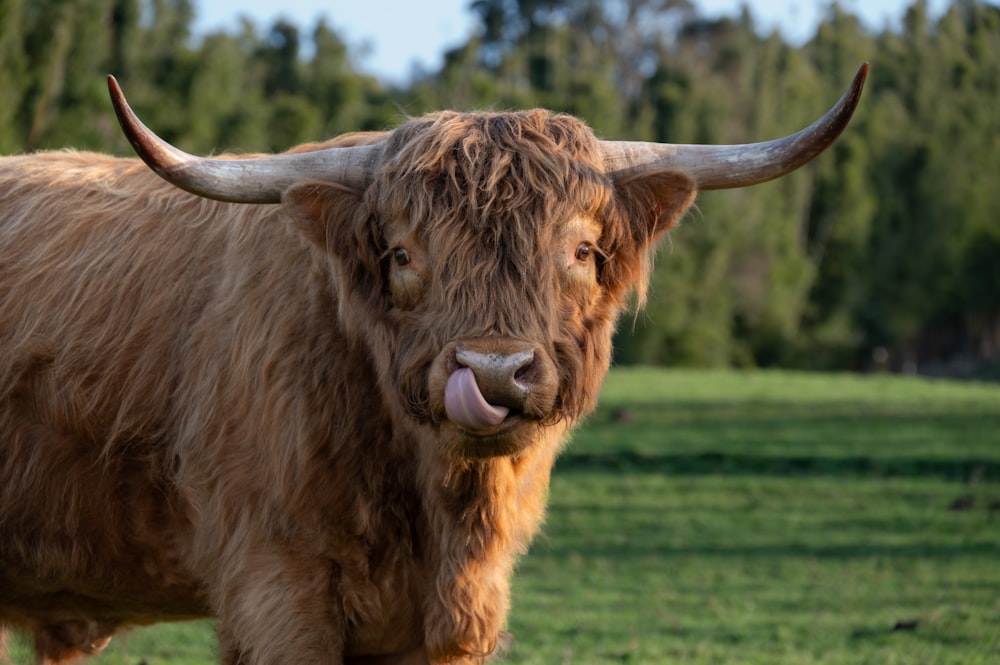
772, 552
872, 440
742, 464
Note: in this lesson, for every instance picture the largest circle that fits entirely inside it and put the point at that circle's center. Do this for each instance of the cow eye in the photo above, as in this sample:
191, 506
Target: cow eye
583, 252
401, 257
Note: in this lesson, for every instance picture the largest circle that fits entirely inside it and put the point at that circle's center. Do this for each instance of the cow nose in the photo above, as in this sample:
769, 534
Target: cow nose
504, 379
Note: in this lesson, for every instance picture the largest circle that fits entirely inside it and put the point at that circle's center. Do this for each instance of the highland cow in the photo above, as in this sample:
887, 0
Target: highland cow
318, 395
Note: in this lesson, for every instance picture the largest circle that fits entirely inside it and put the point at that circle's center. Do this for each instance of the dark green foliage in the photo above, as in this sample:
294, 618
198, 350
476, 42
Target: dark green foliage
882, 252
247, 91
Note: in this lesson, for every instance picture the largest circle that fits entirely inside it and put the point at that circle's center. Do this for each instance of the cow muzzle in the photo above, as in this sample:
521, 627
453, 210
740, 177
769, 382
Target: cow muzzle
493, 388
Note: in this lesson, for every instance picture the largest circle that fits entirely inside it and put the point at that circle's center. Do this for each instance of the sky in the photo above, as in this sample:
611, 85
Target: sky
389, 36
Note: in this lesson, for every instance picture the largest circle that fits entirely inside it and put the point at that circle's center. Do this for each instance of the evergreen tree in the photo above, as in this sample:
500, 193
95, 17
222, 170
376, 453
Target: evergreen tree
14, 80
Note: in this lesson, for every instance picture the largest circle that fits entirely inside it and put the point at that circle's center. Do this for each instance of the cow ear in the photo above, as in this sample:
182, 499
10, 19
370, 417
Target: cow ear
319, 210
656, 202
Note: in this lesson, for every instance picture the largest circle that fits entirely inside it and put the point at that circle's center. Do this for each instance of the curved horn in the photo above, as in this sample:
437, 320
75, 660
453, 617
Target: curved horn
249, 180
727, 166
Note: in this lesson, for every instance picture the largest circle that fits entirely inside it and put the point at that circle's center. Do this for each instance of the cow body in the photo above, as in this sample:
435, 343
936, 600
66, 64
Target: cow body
172, 390
218, 409
328, 419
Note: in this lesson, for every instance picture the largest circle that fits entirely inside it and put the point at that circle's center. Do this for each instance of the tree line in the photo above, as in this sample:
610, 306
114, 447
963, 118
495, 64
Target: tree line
883, 253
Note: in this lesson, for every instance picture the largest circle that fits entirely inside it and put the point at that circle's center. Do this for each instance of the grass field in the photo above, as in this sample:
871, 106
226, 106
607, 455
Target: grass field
762, 517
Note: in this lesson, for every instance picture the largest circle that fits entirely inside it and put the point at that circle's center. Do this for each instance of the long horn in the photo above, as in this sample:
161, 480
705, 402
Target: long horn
727, 166
243, 180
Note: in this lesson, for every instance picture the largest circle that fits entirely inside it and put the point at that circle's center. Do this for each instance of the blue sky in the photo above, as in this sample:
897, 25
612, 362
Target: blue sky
390, 35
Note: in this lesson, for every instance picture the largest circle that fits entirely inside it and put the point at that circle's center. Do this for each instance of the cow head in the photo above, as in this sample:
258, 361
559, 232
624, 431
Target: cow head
485, 257
492, 254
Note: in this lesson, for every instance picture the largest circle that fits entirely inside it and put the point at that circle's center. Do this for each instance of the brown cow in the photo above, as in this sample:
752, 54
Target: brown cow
320, 400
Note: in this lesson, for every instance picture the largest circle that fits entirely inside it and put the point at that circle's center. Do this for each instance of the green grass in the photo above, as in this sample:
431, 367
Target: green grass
771, 518
763, 517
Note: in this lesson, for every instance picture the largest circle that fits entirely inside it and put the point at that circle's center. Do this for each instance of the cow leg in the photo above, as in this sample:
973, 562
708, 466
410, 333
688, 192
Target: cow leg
229, 649
70, 641
275, 610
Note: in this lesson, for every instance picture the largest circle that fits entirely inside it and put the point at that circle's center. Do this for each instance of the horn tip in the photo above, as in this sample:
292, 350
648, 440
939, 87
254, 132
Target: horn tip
114, 89
119, 103
862, 73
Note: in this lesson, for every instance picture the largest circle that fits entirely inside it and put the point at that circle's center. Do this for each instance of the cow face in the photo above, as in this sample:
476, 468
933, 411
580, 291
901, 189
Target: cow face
485, 267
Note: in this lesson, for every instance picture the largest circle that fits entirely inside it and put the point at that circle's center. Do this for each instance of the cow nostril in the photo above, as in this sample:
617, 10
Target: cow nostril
526, 373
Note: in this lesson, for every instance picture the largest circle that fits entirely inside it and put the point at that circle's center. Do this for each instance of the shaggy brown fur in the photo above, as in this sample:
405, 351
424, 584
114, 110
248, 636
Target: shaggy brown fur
237, 411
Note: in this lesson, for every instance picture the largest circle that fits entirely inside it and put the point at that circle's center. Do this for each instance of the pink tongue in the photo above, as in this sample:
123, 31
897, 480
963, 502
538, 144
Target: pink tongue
466, 406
